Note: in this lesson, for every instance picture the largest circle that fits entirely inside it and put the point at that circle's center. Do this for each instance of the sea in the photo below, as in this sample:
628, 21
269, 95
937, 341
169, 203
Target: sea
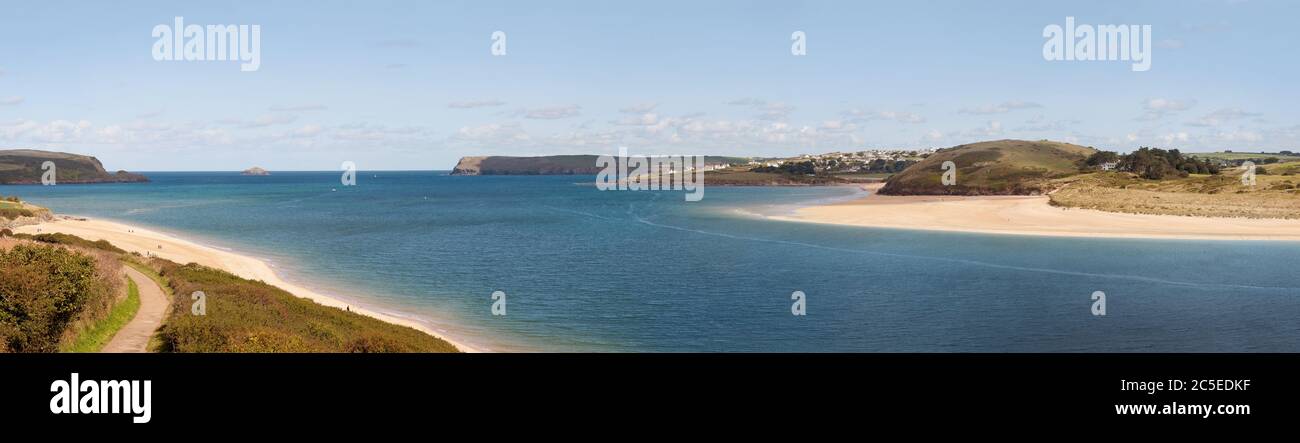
584, 270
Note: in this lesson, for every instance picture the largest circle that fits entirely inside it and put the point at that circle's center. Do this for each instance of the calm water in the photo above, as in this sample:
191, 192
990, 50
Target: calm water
612, 271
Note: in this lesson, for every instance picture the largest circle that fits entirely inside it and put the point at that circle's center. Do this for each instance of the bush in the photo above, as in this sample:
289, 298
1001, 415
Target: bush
72, 240
43, 290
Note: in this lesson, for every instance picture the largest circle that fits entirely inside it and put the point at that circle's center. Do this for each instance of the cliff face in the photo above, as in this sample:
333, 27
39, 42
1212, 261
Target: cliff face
467, 166
23, 166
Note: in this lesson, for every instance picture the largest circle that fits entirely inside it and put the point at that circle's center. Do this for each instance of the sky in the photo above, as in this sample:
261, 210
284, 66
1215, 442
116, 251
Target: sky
415, 85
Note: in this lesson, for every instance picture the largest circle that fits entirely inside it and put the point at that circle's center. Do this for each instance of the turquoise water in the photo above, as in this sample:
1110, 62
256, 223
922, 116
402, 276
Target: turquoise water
586, 270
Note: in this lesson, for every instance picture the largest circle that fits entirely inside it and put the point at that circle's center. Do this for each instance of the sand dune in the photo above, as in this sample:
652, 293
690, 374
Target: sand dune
1015, 215
134, 239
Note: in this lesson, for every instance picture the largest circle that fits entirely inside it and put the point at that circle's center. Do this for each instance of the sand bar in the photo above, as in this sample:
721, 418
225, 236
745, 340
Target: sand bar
1032, 215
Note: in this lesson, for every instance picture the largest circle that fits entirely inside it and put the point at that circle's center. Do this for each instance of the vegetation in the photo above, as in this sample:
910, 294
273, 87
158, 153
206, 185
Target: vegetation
1003, 167
95, 337
23, 166
71, 240
12, 213
742, 177
62, 292
1158, 164
1223, 195
251, 316
49, 293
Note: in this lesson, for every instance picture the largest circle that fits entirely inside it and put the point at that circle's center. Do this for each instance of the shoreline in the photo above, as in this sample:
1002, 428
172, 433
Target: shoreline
180, 250
1032, 216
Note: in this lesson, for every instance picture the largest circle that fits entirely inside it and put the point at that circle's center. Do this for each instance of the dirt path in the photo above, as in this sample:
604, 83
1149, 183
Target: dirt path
134, 337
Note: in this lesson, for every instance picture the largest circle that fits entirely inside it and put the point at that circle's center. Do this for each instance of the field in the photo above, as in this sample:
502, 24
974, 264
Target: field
1273, 196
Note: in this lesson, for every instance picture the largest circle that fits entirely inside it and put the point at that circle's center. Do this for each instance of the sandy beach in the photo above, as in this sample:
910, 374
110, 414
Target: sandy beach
135, 239
1032, 215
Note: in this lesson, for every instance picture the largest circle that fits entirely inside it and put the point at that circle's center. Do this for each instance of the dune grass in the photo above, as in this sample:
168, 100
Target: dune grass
1273, 196
94, 338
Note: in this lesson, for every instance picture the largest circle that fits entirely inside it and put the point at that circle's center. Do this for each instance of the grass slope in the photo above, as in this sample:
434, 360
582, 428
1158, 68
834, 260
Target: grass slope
1002, 167
252, 316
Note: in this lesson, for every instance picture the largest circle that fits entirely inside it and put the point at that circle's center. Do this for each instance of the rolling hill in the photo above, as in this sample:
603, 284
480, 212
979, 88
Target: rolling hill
1001, 167
23, 167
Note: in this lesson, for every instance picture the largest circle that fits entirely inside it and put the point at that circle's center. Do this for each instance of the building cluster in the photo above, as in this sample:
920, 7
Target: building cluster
842, 162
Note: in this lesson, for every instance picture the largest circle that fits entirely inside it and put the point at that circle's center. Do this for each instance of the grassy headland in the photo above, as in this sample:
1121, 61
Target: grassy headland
1002, 167
24, 166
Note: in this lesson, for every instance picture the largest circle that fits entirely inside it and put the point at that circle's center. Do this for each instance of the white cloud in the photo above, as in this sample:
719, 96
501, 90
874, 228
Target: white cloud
1222, 116
1157, 108
271, 120
299, 108
550, 112
309, 130
11, 100
475, 104
775, 111
747, 101
991, 129
640, 108
1000, 108
1039, 123
492, 134
860, 116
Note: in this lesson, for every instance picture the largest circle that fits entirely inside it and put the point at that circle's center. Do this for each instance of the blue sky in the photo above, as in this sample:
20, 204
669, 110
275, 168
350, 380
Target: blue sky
413, 85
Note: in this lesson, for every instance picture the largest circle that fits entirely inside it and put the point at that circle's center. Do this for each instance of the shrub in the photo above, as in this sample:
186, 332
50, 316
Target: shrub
43, 290
72, 240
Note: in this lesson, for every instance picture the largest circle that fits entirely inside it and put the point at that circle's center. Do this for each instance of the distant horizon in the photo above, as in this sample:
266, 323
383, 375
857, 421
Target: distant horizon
452, 166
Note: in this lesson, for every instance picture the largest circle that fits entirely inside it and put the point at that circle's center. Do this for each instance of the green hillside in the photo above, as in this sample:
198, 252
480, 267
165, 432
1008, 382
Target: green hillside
1002, 167
23, 166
